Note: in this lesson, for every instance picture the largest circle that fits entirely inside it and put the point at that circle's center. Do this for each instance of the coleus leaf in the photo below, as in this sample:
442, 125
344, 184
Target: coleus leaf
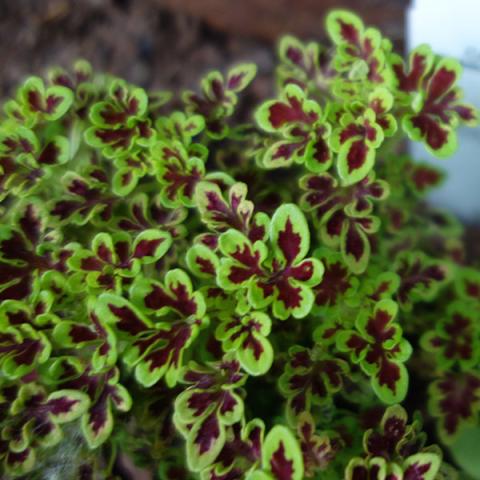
43, 104
240, 76
246, 336
209, 405
176, 295
145, 212
318, 449
21, 257
119, 142
129, 171
97, 423
123, 105
421, 466
306, 65
240, 454
219, 97
337, 282
343, 214
85, 197
301, 128
292, 275
281, 455
324, 193
119, 123
380, 286
356, 141
154, 349
235, 212
371, 469
293, 108
408, 78
377, 345
438, 111
19, 463
101, 388
81, 72
38, 417
395, 451
202, 261
178, 172
455, 338
421, 278
388, 440
454, 400
179, 126
26, 161
467, 284
357, 45
243, 262
94, 334
311, 377
286, 278
423, 177
381, 101
355, 244
22, 349
36, 312
114, 258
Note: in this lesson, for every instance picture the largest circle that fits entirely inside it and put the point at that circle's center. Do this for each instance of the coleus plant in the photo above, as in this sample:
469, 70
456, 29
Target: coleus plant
219, 293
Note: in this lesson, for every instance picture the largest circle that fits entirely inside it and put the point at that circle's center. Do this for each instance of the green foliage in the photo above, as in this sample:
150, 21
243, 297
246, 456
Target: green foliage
231, 293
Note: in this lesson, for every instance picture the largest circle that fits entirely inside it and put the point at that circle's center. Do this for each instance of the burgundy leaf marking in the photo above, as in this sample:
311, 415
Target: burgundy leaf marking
289, 242
281, 467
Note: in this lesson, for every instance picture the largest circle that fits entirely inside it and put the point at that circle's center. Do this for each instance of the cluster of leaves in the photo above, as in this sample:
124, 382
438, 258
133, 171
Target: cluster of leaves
223, 296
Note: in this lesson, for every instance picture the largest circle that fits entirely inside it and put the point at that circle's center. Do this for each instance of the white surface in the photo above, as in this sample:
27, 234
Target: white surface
452, 28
